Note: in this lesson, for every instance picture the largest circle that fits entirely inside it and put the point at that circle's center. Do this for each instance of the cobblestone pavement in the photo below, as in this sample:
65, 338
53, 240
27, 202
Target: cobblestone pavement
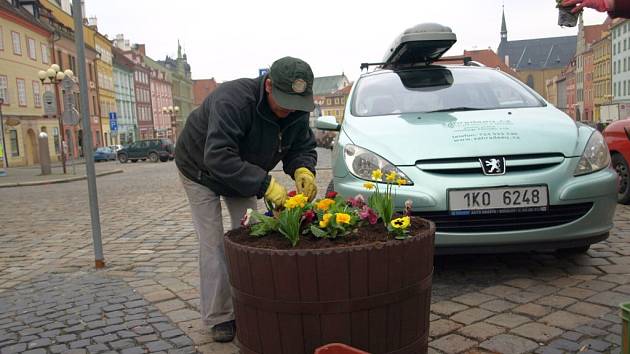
517, 303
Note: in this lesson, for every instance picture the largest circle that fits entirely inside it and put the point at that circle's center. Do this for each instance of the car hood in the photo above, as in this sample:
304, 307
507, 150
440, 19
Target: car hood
406, 138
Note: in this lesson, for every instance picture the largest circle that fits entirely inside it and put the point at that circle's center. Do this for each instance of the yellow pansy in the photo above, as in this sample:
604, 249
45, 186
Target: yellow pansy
342, 218
299, 200
391, 177
325, 204
325, 220
368, 185
377, 174
401, 223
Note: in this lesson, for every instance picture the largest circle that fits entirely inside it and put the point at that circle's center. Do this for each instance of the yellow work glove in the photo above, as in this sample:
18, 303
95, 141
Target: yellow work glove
305, 182
276, 194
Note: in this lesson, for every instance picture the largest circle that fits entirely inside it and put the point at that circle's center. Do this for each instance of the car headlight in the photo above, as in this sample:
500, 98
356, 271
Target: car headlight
595, 156
361, 162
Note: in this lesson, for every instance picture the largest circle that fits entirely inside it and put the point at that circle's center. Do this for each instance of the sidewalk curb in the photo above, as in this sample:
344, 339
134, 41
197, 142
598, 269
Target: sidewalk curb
59, 180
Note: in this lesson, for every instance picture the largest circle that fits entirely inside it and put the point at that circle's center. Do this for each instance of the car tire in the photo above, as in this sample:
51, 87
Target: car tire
153, 157
621, 166
122, 158
134, 160
163, 159
574, 250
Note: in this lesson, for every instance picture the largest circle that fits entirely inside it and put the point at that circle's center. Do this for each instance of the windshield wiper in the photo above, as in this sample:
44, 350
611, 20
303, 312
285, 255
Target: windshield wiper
455, 109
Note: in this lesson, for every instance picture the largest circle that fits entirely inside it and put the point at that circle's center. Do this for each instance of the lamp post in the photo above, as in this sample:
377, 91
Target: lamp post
172, 111
53, 76
5, 157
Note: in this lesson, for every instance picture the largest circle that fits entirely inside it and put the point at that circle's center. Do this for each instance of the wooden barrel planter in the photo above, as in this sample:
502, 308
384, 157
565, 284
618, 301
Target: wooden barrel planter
374, 297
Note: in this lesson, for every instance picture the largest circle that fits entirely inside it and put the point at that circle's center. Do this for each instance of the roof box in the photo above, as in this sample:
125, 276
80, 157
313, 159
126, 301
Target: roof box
421, 44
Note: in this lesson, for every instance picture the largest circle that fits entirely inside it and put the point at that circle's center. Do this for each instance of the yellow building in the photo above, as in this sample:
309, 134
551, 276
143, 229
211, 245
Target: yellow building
24, 50
104, 68
602, 74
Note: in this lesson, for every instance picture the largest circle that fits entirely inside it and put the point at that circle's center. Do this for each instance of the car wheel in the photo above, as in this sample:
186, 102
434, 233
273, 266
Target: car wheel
122, 158
153, 157
574, 250
163, 159
134, 160
621, 166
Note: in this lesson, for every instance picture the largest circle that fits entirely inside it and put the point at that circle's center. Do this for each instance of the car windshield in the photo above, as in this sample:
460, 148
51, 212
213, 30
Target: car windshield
103, 149
439, 90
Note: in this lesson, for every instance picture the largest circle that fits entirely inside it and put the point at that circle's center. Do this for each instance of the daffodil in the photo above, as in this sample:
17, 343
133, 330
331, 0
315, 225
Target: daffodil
391, 177
325, 220
342, 218
401, 223
368, 185
299, 200
377, 174
401, 181
325, 204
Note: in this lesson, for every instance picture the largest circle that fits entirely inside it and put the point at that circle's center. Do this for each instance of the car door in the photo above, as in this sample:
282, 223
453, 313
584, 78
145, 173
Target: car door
134, 149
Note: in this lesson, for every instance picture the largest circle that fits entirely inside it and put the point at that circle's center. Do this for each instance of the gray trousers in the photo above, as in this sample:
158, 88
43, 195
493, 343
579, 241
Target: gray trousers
205, 205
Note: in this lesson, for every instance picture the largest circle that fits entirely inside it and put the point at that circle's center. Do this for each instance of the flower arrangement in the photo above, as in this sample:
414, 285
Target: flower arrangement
566, 16
333, 217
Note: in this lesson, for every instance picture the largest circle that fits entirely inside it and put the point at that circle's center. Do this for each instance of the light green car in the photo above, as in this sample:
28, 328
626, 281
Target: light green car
486, 158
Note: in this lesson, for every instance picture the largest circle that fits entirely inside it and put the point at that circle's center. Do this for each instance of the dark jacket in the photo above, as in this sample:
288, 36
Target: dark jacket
622, 9
233, 140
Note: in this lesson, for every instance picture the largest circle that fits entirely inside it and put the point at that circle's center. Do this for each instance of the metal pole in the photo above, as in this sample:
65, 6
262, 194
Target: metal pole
5, 156
87, 135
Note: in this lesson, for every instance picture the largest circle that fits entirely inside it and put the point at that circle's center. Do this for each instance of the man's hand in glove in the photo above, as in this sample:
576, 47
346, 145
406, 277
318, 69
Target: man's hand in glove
305, 182
276, 194
599, 5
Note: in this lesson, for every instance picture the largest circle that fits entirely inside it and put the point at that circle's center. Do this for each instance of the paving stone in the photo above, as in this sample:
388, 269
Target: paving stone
97, 348
591, 310
39, 343
79, 344
501, 291
447, 308
577, 293
158, 345
58, 348
498, 305
17, 348
105, 338
509, 344
471, 315
65, 338
556, 301
183, 315
481, 331
122, 344
573, 336
35, 351
473, 299
533, 310
174, 333
181, 341
453, 343
126, 334
549, 350
608, 298
134, 350
566, 320
595, 344
565, 345
147, 338
438, 328
508, 320
537, 332
591, 331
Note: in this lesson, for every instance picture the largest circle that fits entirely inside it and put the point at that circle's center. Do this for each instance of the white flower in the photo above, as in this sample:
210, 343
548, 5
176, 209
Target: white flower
247, 217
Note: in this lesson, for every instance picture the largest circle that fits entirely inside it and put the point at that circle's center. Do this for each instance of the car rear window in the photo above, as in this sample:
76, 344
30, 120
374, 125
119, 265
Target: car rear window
439, 89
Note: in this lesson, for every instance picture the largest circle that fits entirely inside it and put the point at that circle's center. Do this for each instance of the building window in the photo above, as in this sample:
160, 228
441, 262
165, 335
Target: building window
21, 86
4, 89
17, 43
530, 81
45, 54
31, 48
56, 139
1, 39
13, 140
37, 97
59, 60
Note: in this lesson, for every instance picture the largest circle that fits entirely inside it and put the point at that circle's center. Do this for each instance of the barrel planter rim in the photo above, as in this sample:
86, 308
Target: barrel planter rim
329, 250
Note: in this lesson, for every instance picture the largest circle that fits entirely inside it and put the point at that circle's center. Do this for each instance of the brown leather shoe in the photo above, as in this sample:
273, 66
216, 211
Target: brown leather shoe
224, 332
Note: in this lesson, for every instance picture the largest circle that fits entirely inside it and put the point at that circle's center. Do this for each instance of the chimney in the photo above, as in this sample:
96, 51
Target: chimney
141, 49
92, 21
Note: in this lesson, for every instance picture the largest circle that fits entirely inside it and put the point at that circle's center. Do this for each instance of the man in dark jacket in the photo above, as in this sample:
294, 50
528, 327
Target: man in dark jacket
615, 8
227, 148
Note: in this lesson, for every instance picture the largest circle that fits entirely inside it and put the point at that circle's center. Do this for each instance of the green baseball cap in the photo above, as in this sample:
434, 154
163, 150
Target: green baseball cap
292, 82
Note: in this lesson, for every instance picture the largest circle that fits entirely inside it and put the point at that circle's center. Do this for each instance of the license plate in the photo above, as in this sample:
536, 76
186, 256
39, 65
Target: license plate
498, 198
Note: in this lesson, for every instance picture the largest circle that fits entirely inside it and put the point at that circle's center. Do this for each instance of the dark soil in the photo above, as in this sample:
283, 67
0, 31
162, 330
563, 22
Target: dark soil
366, 234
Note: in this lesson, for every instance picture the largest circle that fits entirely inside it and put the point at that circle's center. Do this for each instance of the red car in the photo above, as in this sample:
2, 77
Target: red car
617, 137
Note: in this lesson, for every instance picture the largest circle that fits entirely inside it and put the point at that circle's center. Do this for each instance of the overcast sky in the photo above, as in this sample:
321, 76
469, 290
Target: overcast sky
232, 39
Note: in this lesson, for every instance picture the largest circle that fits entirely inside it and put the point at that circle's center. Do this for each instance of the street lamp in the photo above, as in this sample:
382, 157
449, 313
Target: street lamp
53, 76
172, 112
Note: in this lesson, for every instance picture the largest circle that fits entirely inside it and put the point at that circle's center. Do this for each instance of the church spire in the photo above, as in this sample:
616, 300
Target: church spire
179, 50
503, 27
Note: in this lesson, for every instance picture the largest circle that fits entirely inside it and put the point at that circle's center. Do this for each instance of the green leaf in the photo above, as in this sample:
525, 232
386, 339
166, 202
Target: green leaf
319, 233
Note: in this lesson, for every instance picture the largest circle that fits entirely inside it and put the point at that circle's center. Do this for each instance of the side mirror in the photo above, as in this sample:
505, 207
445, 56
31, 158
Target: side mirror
327, 123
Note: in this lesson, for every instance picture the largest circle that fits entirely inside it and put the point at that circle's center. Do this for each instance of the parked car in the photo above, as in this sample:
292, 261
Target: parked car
115, 148
617, 136
104, 154
152, 149
485, 157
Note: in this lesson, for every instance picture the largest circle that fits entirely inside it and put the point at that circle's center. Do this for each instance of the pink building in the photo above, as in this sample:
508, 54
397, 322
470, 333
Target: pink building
161, 96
